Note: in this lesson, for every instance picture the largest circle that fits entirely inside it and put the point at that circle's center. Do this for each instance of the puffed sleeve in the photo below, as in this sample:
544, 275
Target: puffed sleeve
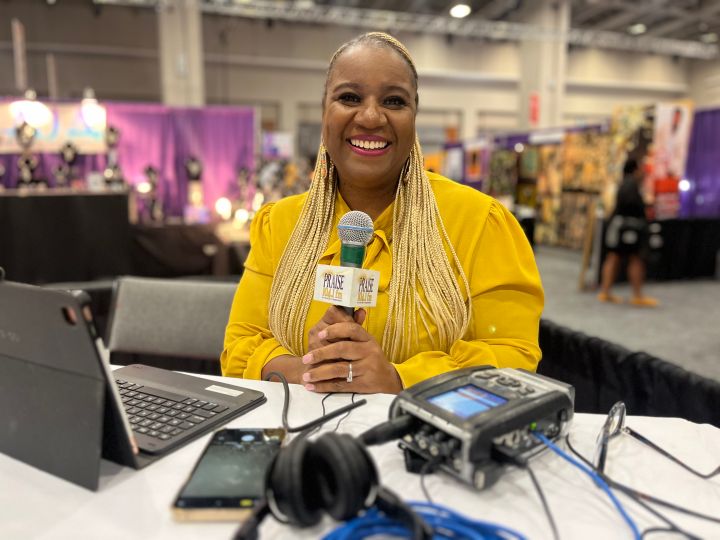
507, 301
249, 344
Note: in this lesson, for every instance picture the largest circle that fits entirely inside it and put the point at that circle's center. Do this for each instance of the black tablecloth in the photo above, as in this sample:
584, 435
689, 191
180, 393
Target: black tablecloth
603, 373
183, 250
47, 237
689, 249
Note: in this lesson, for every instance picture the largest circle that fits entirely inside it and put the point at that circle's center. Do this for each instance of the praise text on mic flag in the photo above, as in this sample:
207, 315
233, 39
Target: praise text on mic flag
346, 286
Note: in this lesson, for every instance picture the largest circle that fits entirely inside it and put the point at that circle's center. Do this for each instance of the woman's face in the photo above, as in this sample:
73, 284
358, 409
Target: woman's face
369, 115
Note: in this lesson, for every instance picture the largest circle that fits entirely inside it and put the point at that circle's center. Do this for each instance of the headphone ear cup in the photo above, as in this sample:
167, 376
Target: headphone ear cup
346, 475
291, 485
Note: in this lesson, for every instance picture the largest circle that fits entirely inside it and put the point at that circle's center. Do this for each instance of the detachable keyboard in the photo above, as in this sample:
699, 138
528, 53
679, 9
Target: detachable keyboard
162, 418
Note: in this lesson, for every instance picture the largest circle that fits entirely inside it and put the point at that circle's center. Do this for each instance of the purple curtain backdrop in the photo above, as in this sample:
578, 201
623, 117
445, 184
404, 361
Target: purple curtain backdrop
223, 138
703, 167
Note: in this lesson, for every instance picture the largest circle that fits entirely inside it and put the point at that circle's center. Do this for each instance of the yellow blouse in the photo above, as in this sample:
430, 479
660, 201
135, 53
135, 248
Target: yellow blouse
507, 296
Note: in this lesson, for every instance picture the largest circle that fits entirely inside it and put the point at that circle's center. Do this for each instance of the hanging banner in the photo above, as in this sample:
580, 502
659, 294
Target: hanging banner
668, 156
477, 160
56, 124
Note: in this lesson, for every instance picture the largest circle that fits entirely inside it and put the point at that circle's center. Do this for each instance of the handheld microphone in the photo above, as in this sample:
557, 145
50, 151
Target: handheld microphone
355, 231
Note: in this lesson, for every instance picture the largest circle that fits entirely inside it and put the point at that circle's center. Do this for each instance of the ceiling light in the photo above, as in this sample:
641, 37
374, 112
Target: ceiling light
459, 11
709, 37
637, 29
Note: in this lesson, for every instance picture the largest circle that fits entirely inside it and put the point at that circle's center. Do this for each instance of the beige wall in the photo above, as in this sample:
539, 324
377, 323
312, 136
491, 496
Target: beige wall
705, 84
113, 49
469, 83
599, 80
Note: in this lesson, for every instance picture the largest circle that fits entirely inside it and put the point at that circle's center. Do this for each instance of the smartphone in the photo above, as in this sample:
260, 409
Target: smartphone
228, 480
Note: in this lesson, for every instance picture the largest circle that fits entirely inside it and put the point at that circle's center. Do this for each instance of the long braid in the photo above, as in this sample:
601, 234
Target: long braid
292, 286
419, 259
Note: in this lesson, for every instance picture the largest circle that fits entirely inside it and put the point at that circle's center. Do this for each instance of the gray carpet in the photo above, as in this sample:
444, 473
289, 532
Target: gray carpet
684, 330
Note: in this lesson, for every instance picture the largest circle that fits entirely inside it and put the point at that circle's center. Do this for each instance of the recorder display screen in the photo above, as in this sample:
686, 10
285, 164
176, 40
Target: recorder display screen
467, 401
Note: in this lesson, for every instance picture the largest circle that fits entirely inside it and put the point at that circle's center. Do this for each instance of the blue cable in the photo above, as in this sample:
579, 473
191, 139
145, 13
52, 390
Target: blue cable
592, 474
445, 523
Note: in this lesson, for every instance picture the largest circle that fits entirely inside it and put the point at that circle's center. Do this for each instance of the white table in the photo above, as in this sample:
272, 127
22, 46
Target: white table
136, 504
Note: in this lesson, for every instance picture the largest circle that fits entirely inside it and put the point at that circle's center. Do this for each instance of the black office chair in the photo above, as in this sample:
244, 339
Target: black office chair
169, 323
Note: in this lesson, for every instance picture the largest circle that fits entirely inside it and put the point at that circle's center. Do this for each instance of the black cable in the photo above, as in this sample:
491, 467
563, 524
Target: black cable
314, 430
651, 530
341, 420
428, 467
543, 500
313, 423
392, 429
640, 498
249, 528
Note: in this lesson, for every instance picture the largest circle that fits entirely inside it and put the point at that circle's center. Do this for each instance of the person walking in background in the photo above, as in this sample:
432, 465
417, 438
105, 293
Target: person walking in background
626, 235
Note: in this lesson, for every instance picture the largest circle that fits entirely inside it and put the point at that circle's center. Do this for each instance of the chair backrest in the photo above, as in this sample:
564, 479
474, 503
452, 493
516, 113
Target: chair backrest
169, 317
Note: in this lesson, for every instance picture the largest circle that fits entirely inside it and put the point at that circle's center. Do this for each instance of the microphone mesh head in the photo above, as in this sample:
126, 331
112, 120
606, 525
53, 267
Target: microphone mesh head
355, 228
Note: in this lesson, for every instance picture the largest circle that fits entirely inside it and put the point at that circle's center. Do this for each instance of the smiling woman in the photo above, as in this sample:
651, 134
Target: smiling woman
458, 281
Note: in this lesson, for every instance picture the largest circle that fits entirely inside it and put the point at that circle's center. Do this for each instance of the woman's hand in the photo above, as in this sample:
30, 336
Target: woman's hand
290, 366
333, 315
337, 345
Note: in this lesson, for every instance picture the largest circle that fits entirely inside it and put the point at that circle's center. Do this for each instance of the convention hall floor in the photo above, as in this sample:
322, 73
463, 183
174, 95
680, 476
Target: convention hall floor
685, 329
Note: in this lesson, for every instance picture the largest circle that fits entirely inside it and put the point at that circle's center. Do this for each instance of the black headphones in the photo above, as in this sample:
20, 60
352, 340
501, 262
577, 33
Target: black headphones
332, 474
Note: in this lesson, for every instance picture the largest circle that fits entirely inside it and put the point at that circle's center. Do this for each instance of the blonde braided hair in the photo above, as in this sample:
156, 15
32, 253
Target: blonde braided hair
419, 258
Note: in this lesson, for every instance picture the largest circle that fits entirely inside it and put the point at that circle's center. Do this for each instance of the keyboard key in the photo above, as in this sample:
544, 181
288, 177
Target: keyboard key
182, 415
200, 404
220, 408
133, 410
178, 406
155, 425
166, 429
134, 419
162, 410
189, 409
169, 403
120, 382
163, 436
152, 407
174, 422
205, 414
164, 419
176, 431
186, 425
144, 413
133, 402
171, 412
140, 395
142, 430
146, 423
132, 393
189, 401
195, 418
210, 406
150, 399
153, 433
135, 386
154, 416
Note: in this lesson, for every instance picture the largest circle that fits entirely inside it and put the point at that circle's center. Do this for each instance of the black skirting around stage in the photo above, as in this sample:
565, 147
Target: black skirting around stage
64, 237
603, 373
679, 249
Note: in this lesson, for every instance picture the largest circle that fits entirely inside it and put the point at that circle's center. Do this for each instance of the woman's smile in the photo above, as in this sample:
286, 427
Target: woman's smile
369, 145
